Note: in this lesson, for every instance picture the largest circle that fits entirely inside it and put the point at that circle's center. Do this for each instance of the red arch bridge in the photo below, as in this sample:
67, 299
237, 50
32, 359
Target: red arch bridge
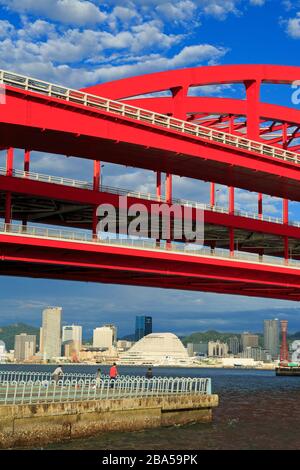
48, 223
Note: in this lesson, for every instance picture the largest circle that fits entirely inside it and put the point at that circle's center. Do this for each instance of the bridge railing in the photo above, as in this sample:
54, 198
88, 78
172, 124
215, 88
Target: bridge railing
136, 194
31, 376
45, 391
143, 115
144, 244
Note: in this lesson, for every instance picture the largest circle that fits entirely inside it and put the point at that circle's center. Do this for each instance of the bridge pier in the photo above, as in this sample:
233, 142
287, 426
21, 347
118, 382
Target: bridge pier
96, 187
9, 172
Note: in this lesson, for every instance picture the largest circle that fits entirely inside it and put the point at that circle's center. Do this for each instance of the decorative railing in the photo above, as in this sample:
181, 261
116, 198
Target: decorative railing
144, 244
50, 391
136, 194
119, 108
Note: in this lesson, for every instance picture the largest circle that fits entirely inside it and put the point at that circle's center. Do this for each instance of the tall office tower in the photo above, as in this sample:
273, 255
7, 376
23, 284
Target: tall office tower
103, 337
234, 345
25, 346
41, 341
143, 326
249, 340
73, 333
114, 329
271, 337
51, 332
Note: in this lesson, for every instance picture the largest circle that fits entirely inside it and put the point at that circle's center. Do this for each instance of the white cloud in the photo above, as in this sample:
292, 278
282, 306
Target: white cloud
6, 28
178, 12
35, 60
77, 12
257, 2
293, 27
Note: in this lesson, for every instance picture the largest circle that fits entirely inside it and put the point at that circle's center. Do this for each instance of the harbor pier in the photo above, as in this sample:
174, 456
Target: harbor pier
37, 411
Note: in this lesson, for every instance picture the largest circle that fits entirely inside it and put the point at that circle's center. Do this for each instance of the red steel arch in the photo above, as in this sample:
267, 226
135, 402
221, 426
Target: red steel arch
48, 123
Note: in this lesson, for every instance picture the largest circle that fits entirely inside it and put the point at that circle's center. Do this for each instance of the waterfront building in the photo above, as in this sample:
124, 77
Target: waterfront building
256, 353
103, 337
197, 349
249, 340
217, 349
143, 326
123, 345
114, 330
234, 345
72, 333
2, 351
25, 346
157, 349
51, 333
271, 337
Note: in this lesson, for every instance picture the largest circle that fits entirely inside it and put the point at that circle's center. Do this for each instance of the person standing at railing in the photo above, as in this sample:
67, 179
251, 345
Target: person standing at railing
149, 373
113, 374
57, 374
98, 378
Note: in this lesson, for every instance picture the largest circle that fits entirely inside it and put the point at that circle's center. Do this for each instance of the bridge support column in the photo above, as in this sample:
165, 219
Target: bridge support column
27, 160
212, 195
169, 201
96, 187
253, 122
260, 205
285, 202
26, 169
231, 212
285, 218
158, 185
9, 172
158, 196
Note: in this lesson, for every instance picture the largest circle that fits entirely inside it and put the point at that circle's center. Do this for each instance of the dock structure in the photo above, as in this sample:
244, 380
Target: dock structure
36, 410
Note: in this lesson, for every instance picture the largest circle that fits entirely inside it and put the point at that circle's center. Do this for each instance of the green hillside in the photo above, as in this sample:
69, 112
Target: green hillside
7, 333
213, 335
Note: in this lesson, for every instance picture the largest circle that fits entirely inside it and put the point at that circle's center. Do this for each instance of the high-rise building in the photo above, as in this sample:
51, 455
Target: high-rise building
2, 351
51, 333
72, 333
271, 337
234, 345
103, 337
114, 331
25, 346
256, 353
197, 349
249, 340
143, 326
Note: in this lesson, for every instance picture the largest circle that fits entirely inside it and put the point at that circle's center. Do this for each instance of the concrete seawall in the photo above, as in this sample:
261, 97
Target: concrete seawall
38, 424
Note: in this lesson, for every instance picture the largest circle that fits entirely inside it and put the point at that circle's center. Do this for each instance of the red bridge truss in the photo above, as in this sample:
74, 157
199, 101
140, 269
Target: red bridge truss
243, 144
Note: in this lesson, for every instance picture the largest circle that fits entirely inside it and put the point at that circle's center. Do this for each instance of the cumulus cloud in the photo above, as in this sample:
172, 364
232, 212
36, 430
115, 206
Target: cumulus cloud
293, 26
77, 12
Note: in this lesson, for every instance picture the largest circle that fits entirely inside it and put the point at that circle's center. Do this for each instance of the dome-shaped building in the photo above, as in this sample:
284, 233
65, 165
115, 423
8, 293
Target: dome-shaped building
157, 349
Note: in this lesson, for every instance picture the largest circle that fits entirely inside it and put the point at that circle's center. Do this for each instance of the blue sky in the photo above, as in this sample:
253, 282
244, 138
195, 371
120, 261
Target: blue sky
77, 43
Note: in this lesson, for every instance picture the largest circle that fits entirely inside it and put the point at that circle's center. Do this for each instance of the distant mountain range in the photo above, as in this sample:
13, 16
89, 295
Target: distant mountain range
8, 332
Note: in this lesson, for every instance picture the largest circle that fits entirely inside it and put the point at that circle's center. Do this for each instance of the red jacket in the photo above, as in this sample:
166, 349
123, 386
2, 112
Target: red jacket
113, 372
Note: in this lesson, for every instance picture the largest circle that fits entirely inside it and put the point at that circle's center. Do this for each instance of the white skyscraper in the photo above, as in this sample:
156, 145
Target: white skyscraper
51, 333
103, 337
72, 333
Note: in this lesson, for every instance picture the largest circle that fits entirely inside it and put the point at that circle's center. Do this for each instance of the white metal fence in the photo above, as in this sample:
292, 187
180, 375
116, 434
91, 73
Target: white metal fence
66, 390
72, 96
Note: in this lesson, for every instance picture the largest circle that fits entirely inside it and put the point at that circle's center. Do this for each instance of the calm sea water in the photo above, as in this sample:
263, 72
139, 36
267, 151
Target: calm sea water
257, 411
